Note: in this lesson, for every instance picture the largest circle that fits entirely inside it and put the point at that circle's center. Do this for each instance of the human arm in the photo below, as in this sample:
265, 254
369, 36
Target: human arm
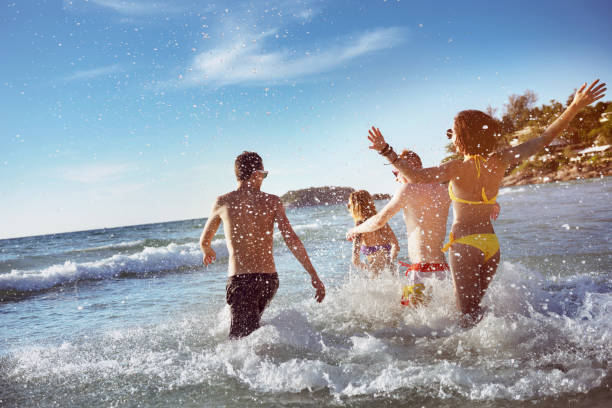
296, 247
210, 229
400, 200
495, 211
376, 222
394, 243
582, 98
355, 256
438, 174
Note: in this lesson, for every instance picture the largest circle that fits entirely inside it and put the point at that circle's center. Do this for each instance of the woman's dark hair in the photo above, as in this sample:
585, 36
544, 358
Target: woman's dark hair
476, 132
246, 164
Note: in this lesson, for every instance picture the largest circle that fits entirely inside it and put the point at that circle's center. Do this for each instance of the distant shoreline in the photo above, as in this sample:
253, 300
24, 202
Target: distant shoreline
328, 195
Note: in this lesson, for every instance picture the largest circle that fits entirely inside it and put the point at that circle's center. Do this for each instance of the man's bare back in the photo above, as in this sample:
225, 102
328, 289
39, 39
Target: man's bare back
248, 222
425, 214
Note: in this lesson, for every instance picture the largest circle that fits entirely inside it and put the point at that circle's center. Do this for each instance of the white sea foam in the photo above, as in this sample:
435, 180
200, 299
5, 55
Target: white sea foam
124, 244
313, 225
511, 190
300, 228
361, 341
149, 260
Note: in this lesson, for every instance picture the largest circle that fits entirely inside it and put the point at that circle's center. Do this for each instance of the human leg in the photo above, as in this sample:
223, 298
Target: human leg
487, 272
267, 287
248, 295
243, 309
466, 265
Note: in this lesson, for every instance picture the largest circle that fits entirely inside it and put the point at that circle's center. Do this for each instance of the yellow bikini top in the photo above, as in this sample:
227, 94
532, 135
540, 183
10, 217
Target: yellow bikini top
478, 159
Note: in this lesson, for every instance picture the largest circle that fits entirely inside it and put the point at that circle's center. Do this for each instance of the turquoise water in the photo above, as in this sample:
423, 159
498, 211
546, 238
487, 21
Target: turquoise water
128, 317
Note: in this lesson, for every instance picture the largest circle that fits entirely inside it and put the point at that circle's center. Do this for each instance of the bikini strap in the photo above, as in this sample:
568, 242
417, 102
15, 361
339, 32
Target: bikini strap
451, 241
478, 161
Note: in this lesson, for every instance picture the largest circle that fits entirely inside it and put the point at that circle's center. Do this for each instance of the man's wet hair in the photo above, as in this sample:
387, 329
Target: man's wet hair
412, 157
246, 164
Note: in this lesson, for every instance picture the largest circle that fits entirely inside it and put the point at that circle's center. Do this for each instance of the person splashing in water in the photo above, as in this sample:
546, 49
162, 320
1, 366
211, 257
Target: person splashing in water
425, 211
474, 182
380, 248
248, 215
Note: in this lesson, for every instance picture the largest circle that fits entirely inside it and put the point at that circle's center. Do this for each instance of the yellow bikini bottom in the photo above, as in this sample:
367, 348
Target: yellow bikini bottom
487, 243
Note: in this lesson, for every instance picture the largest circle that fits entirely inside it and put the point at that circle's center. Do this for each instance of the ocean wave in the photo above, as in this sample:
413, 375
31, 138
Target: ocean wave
119, 245
511, 190
149, 260
313, 225
359, 344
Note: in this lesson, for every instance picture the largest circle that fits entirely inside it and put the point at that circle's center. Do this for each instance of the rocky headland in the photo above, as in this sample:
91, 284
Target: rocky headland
328, 195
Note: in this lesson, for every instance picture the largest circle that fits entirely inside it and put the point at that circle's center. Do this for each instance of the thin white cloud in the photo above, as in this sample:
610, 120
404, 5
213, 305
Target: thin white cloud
137, 8
246, 61
94, 73
97, 173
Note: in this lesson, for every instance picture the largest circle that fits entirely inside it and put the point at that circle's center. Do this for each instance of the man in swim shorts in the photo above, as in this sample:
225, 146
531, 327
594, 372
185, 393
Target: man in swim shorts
425, 210
248, 216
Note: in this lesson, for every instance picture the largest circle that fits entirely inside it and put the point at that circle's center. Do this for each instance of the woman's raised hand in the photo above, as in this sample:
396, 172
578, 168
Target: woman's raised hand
377, 139
585, 97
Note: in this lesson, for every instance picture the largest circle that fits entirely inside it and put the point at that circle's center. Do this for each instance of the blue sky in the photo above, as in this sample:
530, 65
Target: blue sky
126, 112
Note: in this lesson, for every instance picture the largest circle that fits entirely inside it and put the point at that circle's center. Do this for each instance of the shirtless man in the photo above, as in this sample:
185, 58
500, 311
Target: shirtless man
425, 208
248, 216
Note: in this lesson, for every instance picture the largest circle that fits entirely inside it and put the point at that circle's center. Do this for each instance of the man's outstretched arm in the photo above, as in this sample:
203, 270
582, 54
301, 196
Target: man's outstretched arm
398, 201
210, 229
297, 248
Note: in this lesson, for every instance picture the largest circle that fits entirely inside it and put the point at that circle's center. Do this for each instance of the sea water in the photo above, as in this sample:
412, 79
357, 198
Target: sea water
129, 317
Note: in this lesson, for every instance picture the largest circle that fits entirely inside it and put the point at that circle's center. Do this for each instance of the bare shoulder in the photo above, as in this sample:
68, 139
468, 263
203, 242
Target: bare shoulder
269, 200
225, 199
408, 189
271, 197
499, 160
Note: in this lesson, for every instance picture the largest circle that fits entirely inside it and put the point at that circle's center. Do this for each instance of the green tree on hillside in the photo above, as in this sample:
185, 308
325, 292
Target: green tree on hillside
522, 120
602, 135
517, 112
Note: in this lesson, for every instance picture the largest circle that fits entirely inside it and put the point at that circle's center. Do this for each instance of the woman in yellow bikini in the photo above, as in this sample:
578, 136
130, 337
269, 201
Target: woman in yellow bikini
473, 186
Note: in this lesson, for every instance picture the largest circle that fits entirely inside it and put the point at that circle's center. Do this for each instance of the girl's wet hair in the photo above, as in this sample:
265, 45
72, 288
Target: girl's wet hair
476, 132
362, 206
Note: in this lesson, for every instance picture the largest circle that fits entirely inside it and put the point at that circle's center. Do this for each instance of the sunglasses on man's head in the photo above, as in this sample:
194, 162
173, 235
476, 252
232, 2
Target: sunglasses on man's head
264, 173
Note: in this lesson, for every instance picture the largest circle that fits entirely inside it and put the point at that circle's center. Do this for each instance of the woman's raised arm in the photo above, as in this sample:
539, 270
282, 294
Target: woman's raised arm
438, 174
582, 98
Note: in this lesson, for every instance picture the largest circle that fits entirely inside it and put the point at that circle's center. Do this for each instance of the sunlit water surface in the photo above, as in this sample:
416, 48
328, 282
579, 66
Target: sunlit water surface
128, 317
